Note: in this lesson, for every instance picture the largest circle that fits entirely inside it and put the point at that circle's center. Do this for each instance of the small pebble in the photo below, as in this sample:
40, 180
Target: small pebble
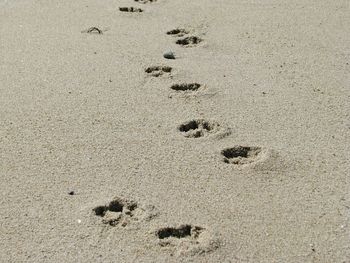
71, 193
169, 55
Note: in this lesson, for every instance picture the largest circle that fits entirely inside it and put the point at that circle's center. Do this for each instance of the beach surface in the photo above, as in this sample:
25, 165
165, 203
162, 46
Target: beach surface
237, 150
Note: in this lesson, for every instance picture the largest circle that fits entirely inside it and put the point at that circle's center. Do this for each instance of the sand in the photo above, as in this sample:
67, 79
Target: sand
235, 151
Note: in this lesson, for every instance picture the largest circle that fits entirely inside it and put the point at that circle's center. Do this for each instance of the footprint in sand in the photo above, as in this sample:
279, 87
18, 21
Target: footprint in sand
130, 9
93, 30
178, 32
186, 239
186, 87
241, 155
145, 1
190, 41
157, 71
123, 212
202, 128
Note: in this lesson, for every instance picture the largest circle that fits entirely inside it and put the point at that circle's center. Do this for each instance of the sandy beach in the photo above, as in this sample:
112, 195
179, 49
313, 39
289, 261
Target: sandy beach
234, 147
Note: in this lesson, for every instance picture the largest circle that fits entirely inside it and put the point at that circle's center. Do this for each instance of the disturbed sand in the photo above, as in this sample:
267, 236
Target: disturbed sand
235, 151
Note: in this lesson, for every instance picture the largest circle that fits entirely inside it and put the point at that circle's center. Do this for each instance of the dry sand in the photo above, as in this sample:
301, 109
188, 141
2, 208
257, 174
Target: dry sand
104, 162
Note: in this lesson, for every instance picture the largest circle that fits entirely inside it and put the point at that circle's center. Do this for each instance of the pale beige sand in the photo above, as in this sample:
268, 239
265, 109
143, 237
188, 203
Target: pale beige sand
79, 113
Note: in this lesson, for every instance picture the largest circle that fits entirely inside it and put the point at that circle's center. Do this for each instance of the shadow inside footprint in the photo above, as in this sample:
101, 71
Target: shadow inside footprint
189, 41
186, 87
157, 71
198, 128
179, 32
145, 1
187, 239
241, 154
130, 9
122, 212
117, 205
183, 231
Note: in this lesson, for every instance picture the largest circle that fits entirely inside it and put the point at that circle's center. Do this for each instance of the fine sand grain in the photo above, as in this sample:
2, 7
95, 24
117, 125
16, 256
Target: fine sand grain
236, 149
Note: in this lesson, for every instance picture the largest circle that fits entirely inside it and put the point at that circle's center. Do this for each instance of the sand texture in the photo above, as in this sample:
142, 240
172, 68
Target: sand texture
175, 131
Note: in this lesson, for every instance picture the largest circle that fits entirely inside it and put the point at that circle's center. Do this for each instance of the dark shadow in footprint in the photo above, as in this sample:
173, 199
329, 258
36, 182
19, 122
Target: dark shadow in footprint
122, 211
93, 30
187, 239
130, 9
189, 41
240, 155
186, 87
179, 32
117, 205
198, 128
157, 71
183, 231
145, 1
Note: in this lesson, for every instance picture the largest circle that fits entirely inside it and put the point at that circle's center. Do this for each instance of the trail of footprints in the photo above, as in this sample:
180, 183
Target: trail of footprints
124, 213
184, 238
238, 155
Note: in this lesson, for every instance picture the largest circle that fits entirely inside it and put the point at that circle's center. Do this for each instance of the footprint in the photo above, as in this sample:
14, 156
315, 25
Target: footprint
186, 87
189, 41
178, 32
199, 128
157, 71
130, 9
145, 1
93, 30
122, 212
241, 155
183, 231
186, 239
